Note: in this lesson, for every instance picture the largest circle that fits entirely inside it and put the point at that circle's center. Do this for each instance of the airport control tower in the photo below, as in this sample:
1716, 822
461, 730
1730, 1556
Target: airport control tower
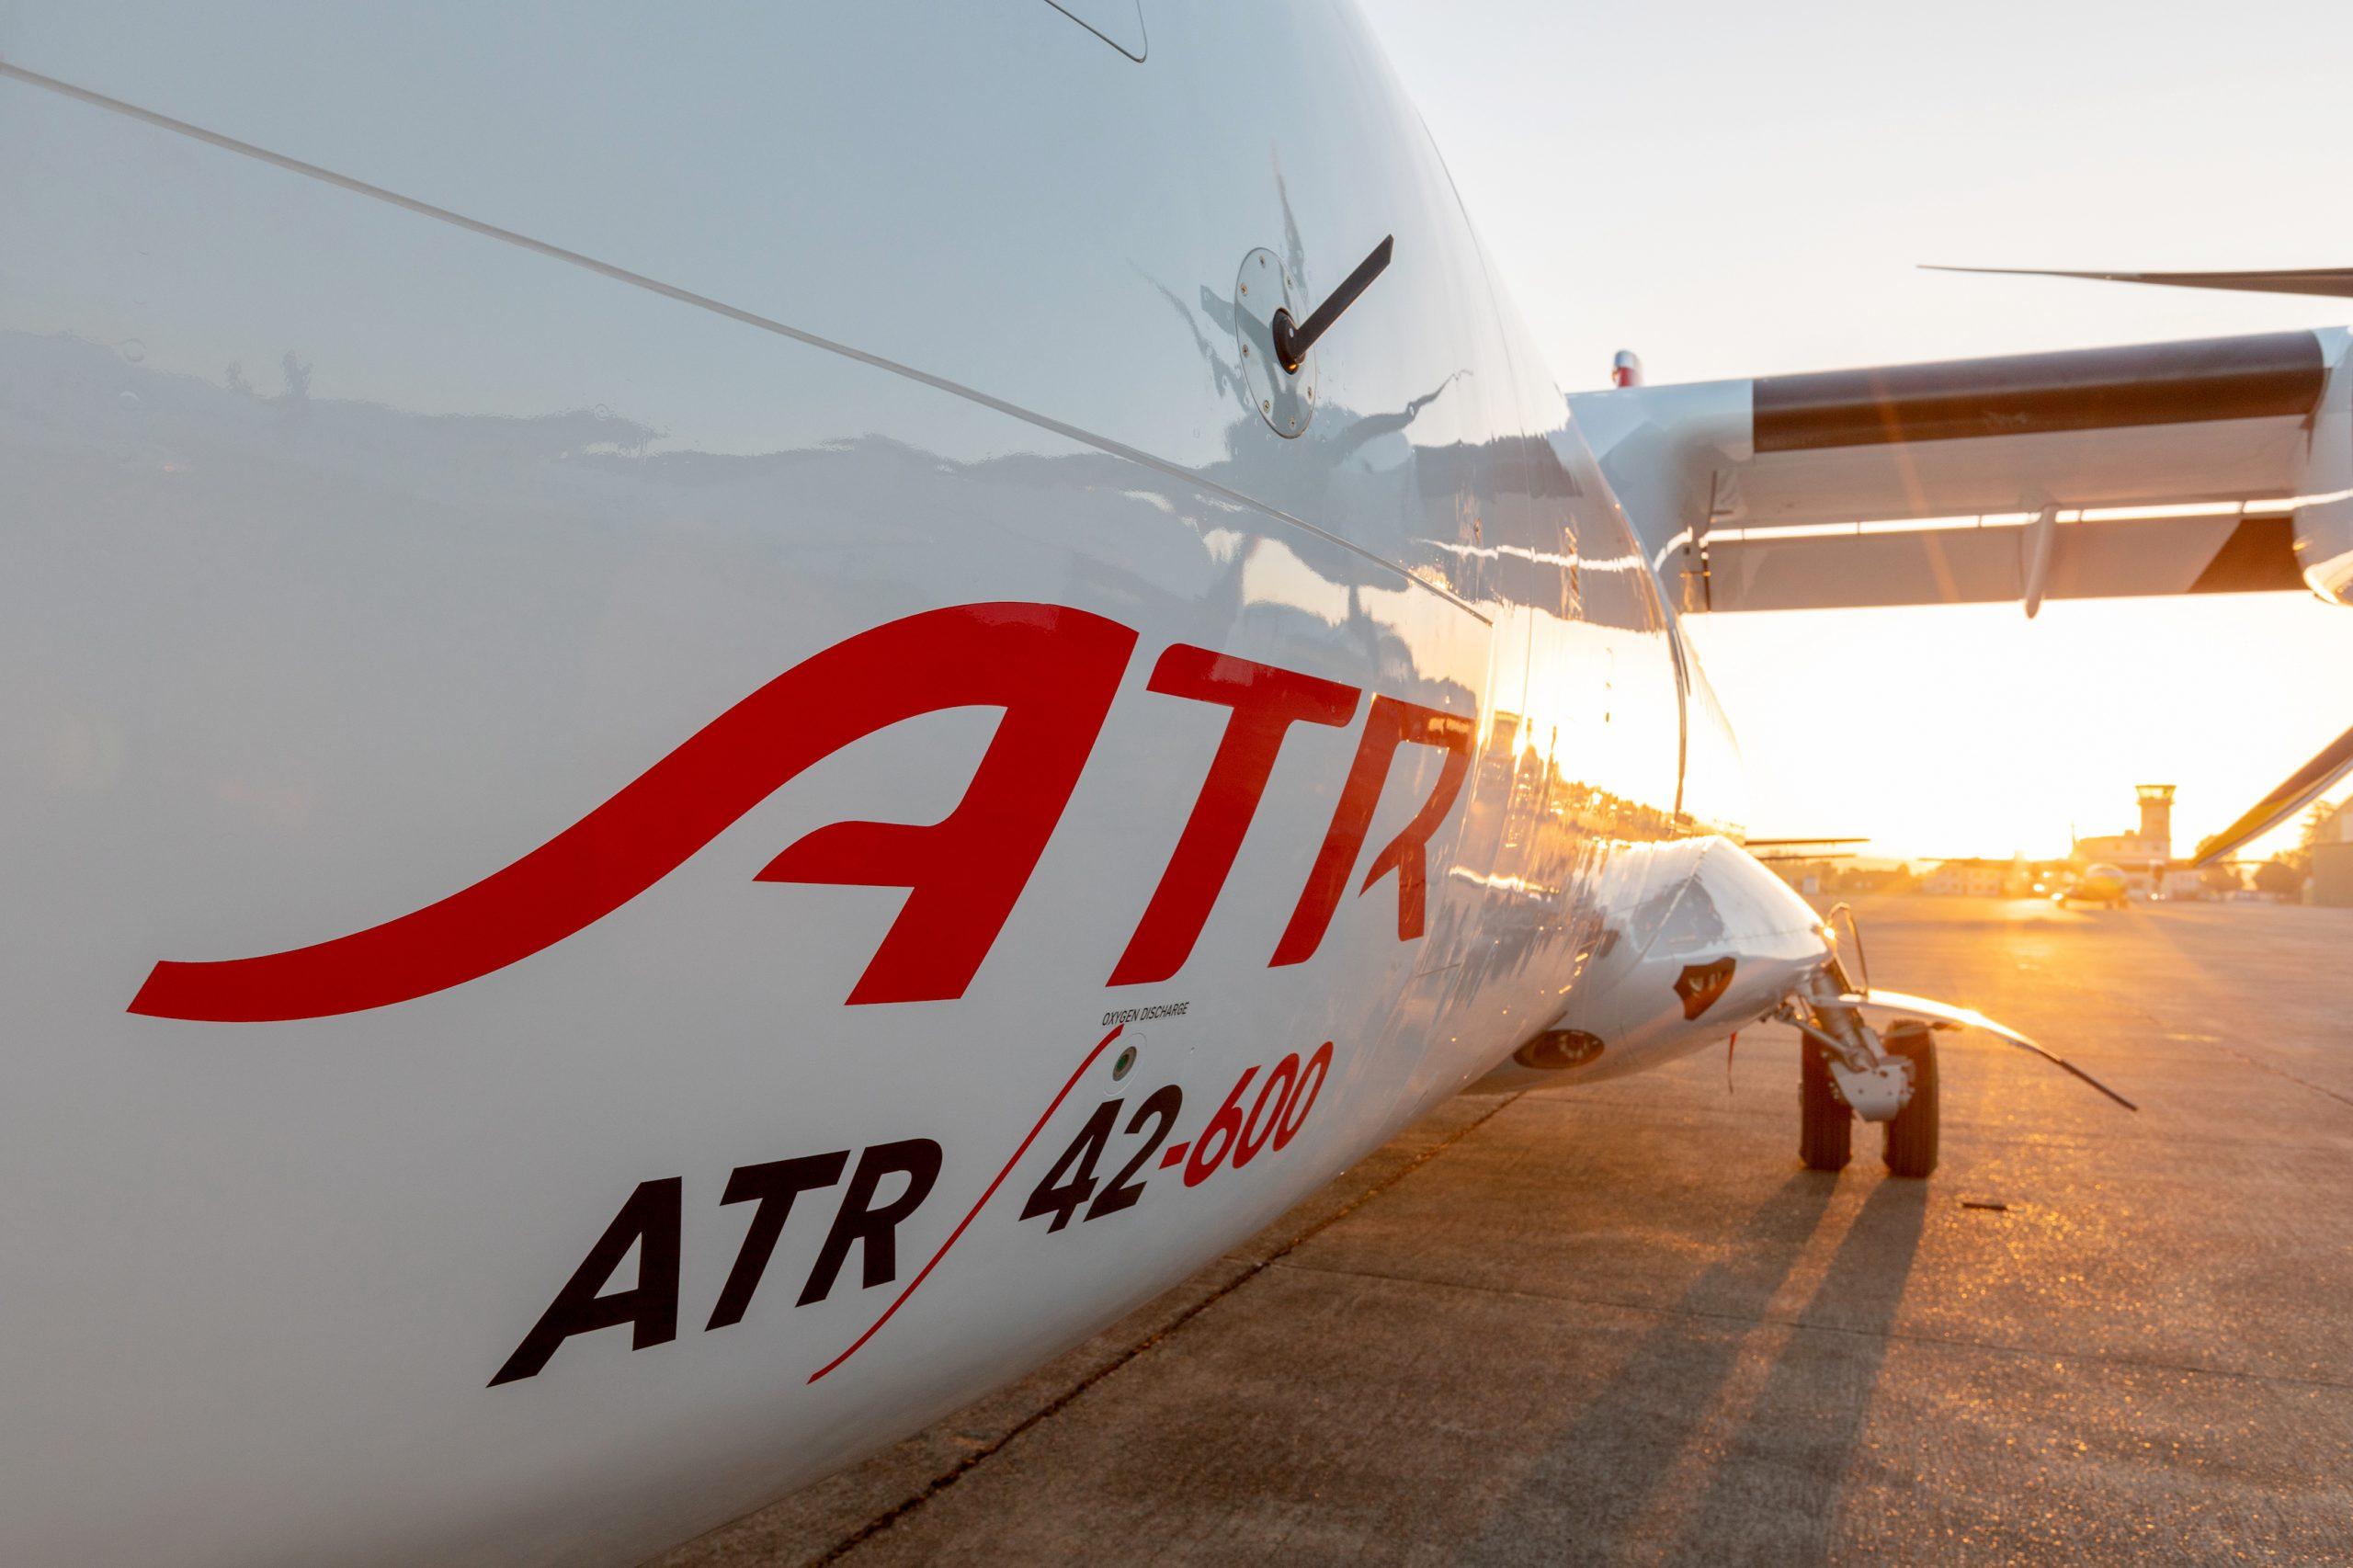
2144, 856
2156, 818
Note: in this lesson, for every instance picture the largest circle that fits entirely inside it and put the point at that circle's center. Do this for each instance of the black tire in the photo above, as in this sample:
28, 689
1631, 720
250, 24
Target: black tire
1910, 1149
1825, 1126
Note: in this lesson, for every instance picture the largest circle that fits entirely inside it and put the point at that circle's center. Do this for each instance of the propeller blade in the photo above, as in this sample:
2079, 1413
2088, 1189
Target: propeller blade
1968, 1017
2299, 790
2334, 281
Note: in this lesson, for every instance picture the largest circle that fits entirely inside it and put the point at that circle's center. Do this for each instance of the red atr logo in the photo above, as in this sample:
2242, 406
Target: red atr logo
1052, 670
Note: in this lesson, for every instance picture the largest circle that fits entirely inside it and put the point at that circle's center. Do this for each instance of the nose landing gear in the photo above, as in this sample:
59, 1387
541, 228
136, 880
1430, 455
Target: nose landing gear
1847, 1069
1826, 1123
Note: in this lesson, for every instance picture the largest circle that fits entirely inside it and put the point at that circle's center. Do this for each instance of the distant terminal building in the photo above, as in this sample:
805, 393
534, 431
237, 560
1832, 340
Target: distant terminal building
1973, 879
2333, 857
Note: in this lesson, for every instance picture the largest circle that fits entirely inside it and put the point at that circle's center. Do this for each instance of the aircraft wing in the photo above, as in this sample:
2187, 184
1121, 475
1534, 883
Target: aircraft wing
2213, 466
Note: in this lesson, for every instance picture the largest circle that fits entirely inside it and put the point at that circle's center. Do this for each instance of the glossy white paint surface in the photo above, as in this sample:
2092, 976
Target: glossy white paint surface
350, 552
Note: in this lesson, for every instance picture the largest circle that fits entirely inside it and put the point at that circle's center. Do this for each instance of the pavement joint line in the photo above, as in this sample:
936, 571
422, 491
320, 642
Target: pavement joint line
2223, 1042
2222, 1039
1771, 1321
2254, 1060
965, 1466
1632, 1109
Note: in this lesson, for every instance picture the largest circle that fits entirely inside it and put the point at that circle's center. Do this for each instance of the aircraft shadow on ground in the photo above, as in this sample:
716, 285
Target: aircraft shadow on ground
1661, 1423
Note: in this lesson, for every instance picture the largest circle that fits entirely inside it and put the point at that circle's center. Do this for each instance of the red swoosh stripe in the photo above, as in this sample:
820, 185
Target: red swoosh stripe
1007, 654
975, 1212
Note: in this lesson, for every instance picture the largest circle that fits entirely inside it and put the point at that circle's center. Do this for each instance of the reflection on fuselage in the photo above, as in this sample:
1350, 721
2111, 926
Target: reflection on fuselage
1581, 754
358, 554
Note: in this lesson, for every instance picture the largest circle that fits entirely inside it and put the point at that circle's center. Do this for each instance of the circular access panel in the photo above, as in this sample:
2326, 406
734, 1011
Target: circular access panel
1285, 399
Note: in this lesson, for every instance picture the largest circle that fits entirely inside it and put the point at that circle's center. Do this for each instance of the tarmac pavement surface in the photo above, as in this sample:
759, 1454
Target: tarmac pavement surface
1618, 1322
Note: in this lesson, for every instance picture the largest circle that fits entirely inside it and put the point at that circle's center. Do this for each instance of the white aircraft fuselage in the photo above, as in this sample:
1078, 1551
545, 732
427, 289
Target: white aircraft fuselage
692, 768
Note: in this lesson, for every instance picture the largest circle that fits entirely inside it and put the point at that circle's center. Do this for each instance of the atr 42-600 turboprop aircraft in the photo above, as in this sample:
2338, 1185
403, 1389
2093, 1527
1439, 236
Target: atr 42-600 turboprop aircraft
717, 730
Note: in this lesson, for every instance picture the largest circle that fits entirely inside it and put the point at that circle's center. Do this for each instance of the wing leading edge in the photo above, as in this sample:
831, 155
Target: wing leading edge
2336, 282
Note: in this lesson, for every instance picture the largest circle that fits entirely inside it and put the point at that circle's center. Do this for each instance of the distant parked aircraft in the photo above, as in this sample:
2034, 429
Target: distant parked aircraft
2098, 884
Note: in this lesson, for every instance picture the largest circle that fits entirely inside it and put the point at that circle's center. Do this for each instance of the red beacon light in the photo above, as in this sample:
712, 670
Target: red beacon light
1626, 370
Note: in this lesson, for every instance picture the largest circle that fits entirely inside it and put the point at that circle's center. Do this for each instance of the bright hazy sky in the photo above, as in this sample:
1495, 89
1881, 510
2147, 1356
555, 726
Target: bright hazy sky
1733, 189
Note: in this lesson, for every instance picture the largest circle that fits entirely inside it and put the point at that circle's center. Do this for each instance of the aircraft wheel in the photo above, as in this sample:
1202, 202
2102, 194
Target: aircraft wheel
1910, 1149
1825, 1127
